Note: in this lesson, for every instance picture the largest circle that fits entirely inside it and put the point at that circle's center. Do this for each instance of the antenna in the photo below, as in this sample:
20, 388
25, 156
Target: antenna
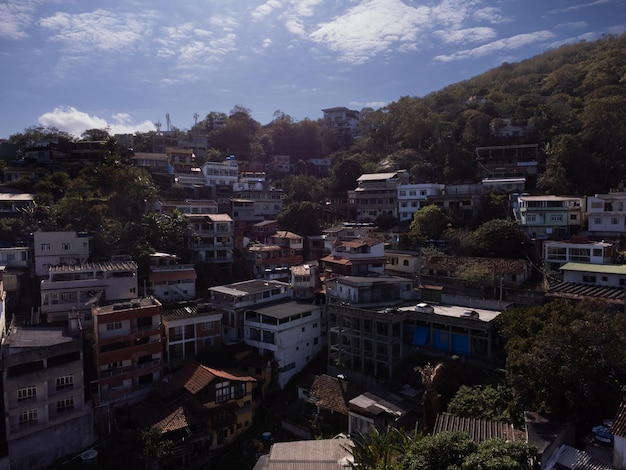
158, 126
195, 118
169, 123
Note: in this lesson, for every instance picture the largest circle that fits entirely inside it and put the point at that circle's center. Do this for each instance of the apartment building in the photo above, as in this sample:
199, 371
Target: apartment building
273, 260
183, 160
549, 217
356, 257
344, 121
289, 332
77, 287
46, 416
211, 238
170, 281
187, 206
578, 249
59, 248
127, 350
190, 329
377, 195
606, 213
412, 197
234, 299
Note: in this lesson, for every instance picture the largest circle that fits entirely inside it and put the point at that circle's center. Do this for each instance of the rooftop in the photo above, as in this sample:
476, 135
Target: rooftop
254, 286
286, 309
37, 337
595, 268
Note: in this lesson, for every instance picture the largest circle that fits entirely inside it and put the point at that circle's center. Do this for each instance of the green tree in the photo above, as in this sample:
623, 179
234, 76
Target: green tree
497, 454
428, 223
303, 218
441, 451
498, 238
483, 402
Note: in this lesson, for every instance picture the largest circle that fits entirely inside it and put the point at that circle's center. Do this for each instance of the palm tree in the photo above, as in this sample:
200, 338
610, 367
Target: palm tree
430, 376
379, 450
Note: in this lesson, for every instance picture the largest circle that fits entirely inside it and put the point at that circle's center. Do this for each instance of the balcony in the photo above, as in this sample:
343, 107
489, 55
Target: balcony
149, 364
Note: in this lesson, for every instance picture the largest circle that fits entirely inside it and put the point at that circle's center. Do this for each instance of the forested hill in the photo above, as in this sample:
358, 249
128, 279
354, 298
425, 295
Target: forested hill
570, 100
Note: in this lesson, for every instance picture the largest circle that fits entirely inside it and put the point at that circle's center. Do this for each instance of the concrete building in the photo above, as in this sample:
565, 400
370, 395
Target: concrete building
505, 161
170, 281
77, 287
608, 275
464, 200
412, 197
402, 263
255, 201
305, 280
273, 260
379, 291
183, 160
127, 350
577, 250
358, 257
12, 205
154, 162
58, 249
606, 214
289, 332
211, 238
45, 412
190, 329
344, 121
377, 195
187, 206
549, 217
234, 299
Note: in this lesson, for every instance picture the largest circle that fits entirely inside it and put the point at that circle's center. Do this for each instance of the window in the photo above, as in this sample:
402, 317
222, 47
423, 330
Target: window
65, 405
45, 247
27, 393
531, 218
614, 221
65, 246
114, 326
67, 381
27, 417
589, 279
597, 220
556, 217
207, 326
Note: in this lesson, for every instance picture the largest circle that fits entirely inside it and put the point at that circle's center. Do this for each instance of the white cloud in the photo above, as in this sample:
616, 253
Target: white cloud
100, 30
371, 28
580, 6
260, 12
514, 42
491, 15
368, 104
75, 122
16, 17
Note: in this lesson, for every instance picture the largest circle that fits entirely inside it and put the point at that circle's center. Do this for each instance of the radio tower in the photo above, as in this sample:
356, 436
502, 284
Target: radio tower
169, 123
195, 118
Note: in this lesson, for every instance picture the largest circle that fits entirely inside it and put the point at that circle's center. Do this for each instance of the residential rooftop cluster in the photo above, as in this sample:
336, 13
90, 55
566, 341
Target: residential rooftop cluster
101, 337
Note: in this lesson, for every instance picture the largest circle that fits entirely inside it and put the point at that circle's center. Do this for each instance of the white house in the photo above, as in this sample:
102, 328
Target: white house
58, 249
606, 214
611, 275
577, 250
289, 331
412, 197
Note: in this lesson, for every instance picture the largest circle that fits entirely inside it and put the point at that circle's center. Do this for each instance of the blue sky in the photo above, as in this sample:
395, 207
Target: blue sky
124, 64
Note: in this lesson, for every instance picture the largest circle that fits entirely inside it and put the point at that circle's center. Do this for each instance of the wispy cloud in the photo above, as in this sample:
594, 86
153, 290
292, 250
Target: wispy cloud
368, 104
513, 42
16, 16
371, 28
468, 35
580, 6
491, 15
75, 122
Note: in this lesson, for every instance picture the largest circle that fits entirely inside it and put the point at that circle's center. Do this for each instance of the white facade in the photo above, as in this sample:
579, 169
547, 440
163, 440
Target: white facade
557, 253
549, 216
606, 214
226, 172
58, 249
77, 287
193, 206
15, 257
290, 331
211, 237
412, 197
304, 280
402, 263
595, 274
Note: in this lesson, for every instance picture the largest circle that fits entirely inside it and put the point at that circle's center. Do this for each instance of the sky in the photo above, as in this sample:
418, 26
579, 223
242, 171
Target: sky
125, 65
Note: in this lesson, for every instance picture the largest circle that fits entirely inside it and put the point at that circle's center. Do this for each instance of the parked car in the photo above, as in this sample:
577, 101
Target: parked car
473, 314
424, 308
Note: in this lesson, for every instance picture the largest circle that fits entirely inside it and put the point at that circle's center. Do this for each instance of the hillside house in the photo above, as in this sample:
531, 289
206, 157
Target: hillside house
59, 249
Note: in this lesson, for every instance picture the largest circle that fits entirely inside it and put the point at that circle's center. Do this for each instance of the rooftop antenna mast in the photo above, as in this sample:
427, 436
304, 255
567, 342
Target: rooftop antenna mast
158, 126
195, 118
169, 123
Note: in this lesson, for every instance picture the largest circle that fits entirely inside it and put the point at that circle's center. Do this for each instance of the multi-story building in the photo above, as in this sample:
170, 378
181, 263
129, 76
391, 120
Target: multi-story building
577, 250
272, 260
234, 299
305, 281
508, 161
370, 292
551, 217
211, 237
347, 231
127, 350
14, 205
155, 162
220, 178
412, 197
606, 214
187, 206
190, 329
77, 287
200, 409
16, 257
402, 263
170, 281
58, 249
183, 160
253, 202
46, 417
344, 121
289, 332
464, 200
262, 231
358, 257
377, 195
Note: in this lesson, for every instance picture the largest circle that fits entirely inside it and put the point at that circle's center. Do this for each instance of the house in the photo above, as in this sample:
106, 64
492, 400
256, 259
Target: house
183, 160
77, 287
370, 292
413, 197
305, 281
16, 257
189, 329
505, 128
187, 206
609, 275
549, 217
508, 161
504, 185
58, 249
255, 200
234, 299
319, 454
344, 121
279, 165
402, 263
220, 178
606, 213
358, 257
347, 231
261, 231
463, 199
273, 260
377, 195
211, 238
570, 458
14, 173
578, 249
200, 409
46, 415
14, 205
155, 162
548, 437
289, 332
170, 281
127, 351
369, 411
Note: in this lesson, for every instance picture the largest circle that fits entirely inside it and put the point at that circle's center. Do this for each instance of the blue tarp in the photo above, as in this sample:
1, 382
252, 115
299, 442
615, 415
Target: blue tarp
420, 336
460, 344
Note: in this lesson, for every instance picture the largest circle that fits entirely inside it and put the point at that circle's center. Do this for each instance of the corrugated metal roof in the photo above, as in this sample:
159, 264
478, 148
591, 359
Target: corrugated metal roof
479, 429
321, 454
574, 459
618, 428
575, 291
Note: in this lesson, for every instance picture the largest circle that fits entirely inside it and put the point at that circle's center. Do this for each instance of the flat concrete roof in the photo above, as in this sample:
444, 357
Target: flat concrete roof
37, 337
286, 309
455, 311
